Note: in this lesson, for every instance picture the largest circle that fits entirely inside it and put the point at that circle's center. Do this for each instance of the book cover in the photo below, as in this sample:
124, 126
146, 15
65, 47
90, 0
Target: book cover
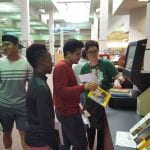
139, 127
144, 135
100, 96
144, 145
140, 132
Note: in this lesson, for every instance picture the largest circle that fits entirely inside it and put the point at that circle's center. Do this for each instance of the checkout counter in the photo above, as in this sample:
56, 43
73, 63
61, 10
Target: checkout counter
134, 74
122, 115
118, 120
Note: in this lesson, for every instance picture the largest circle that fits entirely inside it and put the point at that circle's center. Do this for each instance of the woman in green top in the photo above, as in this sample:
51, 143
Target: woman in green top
106, 73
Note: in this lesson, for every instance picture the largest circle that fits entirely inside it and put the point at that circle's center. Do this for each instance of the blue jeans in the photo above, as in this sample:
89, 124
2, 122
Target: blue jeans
73, 131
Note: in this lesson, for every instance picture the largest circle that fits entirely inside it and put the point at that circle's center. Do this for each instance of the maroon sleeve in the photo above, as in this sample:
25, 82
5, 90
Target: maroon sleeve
61, 79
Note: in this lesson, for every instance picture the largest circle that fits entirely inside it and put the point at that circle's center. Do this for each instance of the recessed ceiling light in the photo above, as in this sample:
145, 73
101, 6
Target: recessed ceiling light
8, 7
42, 11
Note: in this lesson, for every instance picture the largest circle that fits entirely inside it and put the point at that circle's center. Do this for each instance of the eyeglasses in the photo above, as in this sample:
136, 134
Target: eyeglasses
92, 52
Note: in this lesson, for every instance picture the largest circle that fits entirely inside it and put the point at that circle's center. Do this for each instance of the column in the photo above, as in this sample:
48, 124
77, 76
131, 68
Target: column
61, 40
147, 52
94, 28
103, 25
51, 34
148, 25
25, 24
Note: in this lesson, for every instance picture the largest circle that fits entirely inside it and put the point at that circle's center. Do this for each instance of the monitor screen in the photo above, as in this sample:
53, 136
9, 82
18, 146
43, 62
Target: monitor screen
133, 64
130, 57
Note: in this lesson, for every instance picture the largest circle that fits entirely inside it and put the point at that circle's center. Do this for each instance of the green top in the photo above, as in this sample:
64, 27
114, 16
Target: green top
13, 77
105, 71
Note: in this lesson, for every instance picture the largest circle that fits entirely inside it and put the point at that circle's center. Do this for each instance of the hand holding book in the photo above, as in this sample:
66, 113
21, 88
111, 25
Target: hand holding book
90, 86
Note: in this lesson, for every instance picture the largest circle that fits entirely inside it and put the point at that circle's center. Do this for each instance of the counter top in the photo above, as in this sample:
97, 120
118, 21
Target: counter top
120, 120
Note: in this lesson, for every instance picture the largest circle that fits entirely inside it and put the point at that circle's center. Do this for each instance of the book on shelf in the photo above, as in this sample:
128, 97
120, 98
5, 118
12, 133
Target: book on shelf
140, 132
100, 96
144, 145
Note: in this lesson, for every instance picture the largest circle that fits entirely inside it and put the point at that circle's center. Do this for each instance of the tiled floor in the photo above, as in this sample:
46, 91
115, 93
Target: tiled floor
16, 141
15, 135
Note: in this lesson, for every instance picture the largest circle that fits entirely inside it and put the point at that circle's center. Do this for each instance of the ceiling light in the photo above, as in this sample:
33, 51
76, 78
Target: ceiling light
8, 7
68, 10
42, 11
97, 10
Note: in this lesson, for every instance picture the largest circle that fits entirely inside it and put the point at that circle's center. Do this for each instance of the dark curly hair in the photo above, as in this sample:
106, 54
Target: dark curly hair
71, 45
91, 43
34, 52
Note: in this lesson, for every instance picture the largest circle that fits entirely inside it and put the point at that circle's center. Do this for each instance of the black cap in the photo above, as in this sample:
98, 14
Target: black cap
11, 38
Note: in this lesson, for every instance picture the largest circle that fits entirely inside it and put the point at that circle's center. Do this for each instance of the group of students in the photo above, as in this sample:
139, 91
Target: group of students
33, 111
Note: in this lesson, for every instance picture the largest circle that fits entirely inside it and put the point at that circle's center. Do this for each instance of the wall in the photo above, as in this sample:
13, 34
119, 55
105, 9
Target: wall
116, 4
137, 25
118, 21
148, 25
147, 52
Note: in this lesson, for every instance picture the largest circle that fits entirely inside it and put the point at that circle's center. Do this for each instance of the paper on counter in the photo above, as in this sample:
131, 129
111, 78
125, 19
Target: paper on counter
88, 77
124, 139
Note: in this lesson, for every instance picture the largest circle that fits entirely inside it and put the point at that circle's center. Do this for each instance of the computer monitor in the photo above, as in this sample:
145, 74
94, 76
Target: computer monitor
130, 57
133, 65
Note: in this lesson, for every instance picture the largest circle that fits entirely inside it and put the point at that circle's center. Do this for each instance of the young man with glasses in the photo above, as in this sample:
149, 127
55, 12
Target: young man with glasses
14, 72
67, 97
106, 73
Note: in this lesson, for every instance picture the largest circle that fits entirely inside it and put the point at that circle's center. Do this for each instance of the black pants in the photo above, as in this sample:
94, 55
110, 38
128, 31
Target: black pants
91, 137
97, 123
73, 131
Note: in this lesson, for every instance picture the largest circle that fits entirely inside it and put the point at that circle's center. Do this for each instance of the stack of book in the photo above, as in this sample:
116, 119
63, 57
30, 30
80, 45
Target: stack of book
120, 92
140, 133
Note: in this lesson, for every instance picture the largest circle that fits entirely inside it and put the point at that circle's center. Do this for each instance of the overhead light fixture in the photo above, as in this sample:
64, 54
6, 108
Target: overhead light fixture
42, 11
97, 10
68, 10
3, 21
8, 7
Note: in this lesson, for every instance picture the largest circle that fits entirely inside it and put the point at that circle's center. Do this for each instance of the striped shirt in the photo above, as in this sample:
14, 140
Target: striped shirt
13, 77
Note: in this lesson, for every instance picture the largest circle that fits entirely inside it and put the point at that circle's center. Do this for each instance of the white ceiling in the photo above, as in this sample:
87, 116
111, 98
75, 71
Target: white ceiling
10, 21
127, 5
10, 18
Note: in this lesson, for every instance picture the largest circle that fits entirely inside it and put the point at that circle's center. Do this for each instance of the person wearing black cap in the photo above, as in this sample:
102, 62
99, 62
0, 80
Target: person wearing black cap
14, 72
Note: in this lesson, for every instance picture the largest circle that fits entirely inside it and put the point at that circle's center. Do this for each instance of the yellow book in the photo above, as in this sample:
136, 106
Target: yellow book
141, 129
100, 96
144, 145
